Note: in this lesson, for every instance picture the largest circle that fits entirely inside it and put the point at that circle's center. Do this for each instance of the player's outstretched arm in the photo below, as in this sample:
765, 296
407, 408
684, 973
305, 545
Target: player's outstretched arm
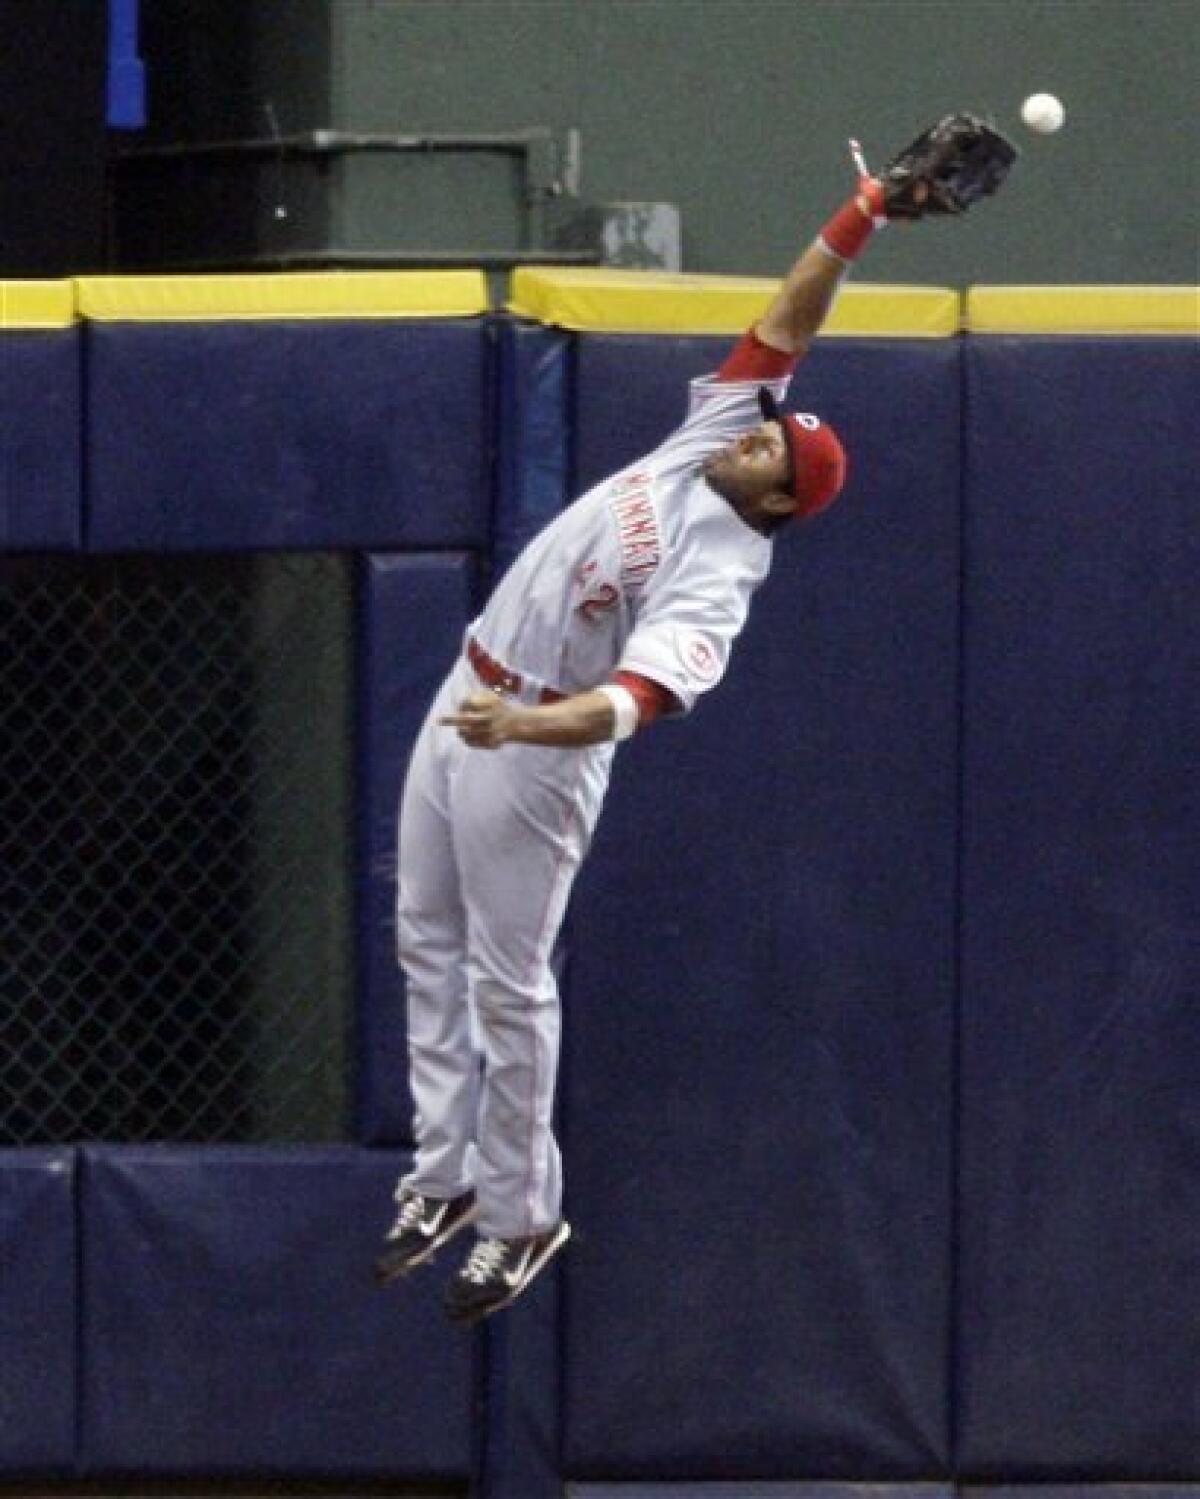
946, 170
802, 303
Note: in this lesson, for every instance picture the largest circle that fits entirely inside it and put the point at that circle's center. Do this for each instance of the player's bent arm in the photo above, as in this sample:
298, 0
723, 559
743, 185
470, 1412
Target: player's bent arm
486, 721
613, 711
586, 718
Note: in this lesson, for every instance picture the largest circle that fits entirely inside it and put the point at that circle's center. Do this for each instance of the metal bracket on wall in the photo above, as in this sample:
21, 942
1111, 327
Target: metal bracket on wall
550, 172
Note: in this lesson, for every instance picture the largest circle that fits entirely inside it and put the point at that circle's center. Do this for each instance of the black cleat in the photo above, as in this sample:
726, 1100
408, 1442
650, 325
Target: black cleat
497, 1271
422, 1226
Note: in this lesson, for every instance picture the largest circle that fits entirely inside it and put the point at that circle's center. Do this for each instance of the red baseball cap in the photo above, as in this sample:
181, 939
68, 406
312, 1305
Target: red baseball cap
817, 460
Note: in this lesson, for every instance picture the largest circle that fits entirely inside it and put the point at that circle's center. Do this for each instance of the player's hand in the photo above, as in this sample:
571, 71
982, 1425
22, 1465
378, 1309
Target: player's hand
484, 720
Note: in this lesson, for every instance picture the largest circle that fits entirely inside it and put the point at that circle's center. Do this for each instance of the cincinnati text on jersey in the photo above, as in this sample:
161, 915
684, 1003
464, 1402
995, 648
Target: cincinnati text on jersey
637, 530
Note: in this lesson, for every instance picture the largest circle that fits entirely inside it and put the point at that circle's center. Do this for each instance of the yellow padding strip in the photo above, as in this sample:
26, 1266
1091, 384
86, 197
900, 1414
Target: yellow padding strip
324, 294
613, 301
1084, 309
37, 304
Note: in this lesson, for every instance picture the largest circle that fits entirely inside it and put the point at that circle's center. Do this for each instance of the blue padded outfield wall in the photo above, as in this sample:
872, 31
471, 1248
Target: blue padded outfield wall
39, 1311
879, 1079
314, 435
230, 1325
726, 1031
1080, 1183
40, 475
413, 611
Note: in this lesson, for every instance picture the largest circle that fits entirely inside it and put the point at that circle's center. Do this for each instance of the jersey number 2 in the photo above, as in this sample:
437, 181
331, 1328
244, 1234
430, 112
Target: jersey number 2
601, 599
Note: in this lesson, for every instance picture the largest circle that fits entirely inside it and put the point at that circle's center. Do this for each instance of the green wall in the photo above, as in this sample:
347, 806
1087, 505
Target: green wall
739, 112
736, 110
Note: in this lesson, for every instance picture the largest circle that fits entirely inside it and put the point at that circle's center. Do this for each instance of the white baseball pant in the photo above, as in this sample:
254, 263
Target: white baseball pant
490, 843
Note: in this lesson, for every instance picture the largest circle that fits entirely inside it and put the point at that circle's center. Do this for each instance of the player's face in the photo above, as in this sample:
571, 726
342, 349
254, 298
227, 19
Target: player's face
753, 468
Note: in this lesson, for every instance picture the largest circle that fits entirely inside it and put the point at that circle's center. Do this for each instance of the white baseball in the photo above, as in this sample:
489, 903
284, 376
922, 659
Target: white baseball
1043, 113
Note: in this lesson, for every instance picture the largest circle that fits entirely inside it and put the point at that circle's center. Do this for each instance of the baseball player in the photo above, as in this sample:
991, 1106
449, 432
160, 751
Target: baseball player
622, 610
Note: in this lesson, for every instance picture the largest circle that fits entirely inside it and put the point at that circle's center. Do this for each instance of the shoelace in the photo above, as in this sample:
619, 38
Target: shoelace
411, 1213
485, 1260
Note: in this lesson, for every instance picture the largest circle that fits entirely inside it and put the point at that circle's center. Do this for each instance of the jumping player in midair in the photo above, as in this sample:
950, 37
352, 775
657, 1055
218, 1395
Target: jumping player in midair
624, 608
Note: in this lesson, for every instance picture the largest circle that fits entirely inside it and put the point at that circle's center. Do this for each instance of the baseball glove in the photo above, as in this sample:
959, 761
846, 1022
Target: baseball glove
947, 168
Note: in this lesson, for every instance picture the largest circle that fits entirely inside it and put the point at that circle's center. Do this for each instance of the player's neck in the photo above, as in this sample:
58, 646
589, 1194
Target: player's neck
764, 525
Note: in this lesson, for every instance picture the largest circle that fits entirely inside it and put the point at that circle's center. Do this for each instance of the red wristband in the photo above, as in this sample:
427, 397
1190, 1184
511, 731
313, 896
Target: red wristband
848, 231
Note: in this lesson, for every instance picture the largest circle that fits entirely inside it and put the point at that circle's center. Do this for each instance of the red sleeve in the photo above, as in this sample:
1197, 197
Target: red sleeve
652, 698
751, 359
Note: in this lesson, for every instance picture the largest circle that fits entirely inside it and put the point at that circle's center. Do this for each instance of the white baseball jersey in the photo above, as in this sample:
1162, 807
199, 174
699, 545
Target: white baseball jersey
650, 571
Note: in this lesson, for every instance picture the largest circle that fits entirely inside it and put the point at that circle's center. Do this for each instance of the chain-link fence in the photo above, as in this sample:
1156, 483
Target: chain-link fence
174, 847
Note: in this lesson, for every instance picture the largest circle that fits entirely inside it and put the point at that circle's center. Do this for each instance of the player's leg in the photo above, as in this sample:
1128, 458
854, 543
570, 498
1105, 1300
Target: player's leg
523, 821
435, 1199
